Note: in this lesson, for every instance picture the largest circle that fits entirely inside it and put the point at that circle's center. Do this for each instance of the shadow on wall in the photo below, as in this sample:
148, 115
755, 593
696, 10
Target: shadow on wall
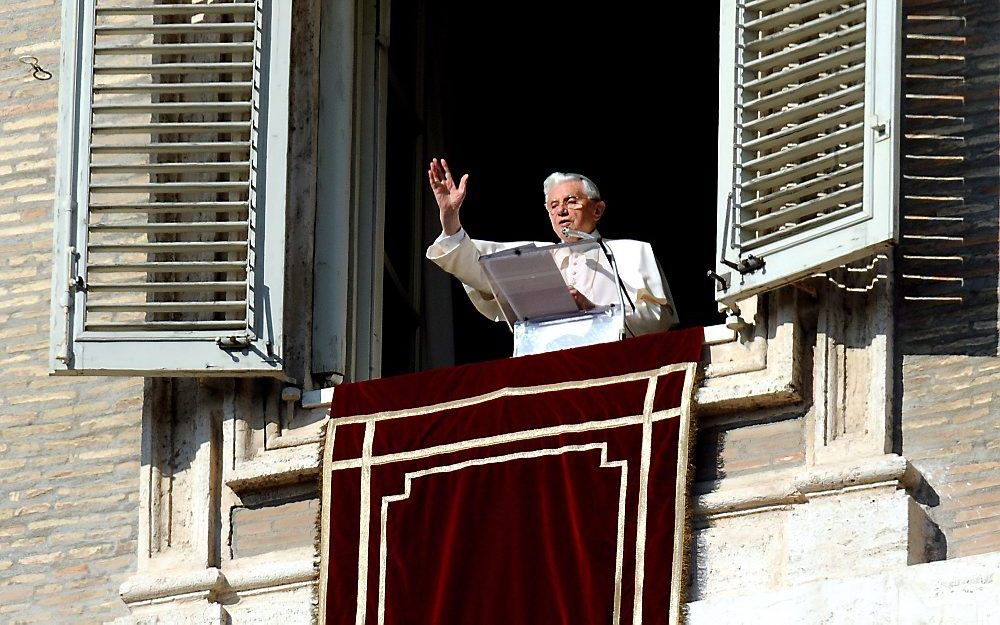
946, 324
949, 195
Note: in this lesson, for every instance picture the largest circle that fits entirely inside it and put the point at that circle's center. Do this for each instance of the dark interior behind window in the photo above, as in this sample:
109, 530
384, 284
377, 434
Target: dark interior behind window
512, 95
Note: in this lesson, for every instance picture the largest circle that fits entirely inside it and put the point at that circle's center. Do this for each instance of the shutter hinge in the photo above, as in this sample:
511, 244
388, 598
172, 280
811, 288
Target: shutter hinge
73, 283
721, 281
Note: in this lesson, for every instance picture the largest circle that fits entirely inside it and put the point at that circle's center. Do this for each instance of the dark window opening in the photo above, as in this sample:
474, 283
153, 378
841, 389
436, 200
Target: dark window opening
510, 96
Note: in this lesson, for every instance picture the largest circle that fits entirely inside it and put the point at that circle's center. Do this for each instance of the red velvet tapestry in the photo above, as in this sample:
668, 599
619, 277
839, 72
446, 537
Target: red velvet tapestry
540, 489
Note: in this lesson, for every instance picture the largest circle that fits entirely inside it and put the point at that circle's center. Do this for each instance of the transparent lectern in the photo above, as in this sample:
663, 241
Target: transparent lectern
536, 303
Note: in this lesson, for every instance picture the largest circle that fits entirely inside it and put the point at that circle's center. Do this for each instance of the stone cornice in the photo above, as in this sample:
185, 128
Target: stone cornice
794, 486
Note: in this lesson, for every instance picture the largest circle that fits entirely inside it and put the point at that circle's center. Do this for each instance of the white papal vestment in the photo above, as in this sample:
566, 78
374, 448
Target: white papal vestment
643, 279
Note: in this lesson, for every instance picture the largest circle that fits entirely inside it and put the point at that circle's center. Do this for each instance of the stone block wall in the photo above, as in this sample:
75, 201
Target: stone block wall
69, 447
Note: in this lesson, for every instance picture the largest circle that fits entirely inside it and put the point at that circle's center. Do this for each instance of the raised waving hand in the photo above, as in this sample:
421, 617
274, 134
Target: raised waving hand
449, 196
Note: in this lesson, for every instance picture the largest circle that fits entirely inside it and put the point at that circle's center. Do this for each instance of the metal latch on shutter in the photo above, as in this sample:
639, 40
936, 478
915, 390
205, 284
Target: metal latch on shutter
881, 128
746, 265
236, 341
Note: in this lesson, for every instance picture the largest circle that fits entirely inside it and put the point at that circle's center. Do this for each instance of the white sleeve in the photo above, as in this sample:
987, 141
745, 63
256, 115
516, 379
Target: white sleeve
654, 309
445, 243
459, 255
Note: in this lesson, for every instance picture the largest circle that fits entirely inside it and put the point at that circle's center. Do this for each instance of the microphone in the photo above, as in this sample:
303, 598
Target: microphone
580, 234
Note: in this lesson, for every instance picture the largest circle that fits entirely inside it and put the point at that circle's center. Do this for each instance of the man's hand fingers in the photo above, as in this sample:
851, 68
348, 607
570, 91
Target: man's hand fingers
461, 184
581, 300
435, 182
435, 171
447, 174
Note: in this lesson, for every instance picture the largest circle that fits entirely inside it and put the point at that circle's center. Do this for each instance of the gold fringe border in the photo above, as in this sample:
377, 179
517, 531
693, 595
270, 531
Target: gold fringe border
321, 547
683, 511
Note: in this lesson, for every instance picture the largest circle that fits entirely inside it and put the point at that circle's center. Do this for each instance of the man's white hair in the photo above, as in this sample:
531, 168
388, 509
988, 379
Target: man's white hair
558, 177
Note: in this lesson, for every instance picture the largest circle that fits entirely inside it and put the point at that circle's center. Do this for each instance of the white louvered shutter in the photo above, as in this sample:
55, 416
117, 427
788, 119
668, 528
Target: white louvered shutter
808, 138
171, 187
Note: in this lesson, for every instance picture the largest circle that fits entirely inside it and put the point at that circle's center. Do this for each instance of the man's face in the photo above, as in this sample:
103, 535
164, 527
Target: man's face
569, 207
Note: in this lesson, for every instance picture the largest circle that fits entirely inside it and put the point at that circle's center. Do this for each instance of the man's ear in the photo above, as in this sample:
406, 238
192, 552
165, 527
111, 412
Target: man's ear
599, 209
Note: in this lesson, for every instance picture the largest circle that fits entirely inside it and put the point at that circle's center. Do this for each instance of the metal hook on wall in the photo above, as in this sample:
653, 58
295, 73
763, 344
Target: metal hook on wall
37, 71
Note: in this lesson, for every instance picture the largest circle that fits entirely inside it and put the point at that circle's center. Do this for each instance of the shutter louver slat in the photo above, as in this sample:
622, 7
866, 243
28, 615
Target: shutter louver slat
791, 15
215, 87
176, 68
170, 168
166, 108
797, 128
851, 154
816, 206
795, 35
763, 6
172, 148
165, 326
800, 117
211, 226
789, 55
176, 29
171, 267
780, 235
171, 141
230, 127
791, 71
847, 175
161, 248
790, 115
235, 8
805, 91
185, 49
170, 187
162, 287
170, 207
789, 155
168, 307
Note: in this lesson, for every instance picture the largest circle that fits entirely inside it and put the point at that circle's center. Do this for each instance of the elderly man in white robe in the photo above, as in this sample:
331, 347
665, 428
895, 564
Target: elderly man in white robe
573, 203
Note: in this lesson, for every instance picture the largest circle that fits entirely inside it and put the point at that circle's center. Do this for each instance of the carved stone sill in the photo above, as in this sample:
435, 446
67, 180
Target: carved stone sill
793, 486
758, 367
296, 567
276, 467
143, 588
211, 585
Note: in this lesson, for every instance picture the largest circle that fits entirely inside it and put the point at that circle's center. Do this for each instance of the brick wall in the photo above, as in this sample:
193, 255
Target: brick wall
263, 529
69, 447
736, 448
947, 338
